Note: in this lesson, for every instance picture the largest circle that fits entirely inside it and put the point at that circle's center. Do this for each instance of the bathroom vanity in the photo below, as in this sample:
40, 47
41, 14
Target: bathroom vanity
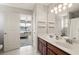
47, 48
51, 46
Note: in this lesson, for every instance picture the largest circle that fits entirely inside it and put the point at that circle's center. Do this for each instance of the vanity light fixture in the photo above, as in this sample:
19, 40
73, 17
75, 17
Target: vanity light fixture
61, 7
70, 5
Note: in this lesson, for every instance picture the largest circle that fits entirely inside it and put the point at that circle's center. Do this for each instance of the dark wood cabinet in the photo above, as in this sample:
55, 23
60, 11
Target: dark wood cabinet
56, 50
42, 46
50, 52
46, 48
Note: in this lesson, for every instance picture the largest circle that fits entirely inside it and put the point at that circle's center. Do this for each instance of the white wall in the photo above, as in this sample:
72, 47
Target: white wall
12, 27
34, 30
51, 21
39, 15
14, 9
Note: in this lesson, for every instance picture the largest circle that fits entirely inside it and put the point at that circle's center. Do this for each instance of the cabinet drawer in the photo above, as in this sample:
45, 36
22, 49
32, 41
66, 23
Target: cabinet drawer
44, 50
56, 50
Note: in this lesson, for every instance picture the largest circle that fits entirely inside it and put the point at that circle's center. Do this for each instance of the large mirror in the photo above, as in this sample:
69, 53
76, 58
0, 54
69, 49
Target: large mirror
64, 25
70, 25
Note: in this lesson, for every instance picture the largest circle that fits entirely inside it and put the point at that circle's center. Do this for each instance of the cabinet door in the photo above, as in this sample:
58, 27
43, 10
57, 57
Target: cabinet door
56, 50
44, 49
49, 52
41, 46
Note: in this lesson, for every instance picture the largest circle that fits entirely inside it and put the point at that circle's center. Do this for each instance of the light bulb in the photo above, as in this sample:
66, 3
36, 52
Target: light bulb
55, 8
70, 4
52, 11
60, 6
59, 10
64, 7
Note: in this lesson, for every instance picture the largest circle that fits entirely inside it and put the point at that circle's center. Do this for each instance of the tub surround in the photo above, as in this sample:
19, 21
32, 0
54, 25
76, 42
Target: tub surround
72, 49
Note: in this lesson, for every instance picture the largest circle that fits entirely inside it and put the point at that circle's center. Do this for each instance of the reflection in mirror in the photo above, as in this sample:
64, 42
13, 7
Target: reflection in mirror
64, 25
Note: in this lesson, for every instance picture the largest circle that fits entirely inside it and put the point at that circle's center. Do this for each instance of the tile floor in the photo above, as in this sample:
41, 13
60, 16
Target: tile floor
25, 42
26, 50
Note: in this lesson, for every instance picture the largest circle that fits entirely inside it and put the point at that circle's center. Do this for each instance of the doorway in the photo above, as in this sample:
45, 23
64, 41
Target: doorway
25, 30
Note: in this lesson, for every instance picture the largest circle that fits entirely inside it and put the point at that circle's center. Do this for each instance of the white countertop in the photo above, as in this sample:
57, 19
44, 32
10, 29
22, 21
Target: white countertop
72, 49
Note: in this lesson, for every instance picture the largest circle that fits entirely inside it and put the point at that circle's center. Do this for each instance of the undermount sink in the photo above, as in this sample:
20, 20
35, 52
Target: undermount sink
51, 36
65, 45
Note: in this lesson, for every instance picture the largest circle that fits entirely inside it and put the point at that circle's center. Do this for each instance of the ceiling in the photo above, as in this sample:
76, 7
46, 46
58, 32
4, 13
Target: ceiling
28, 6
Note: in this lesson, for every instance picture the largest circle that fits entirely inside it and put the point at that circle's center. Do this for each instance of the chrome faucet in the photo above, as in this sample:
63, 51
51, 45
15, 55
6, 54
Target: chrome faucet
69, 41
57, 38
51, 36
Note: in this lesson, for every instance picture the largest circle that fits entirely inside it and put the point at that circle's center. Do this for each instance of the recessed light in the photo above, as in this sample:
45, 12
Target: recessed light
59, 6
70, 4
52, 11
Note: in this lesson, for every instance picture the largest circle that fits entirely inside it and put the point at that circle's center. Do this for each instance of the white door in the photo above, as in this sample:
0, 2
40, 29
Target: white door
11, 32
